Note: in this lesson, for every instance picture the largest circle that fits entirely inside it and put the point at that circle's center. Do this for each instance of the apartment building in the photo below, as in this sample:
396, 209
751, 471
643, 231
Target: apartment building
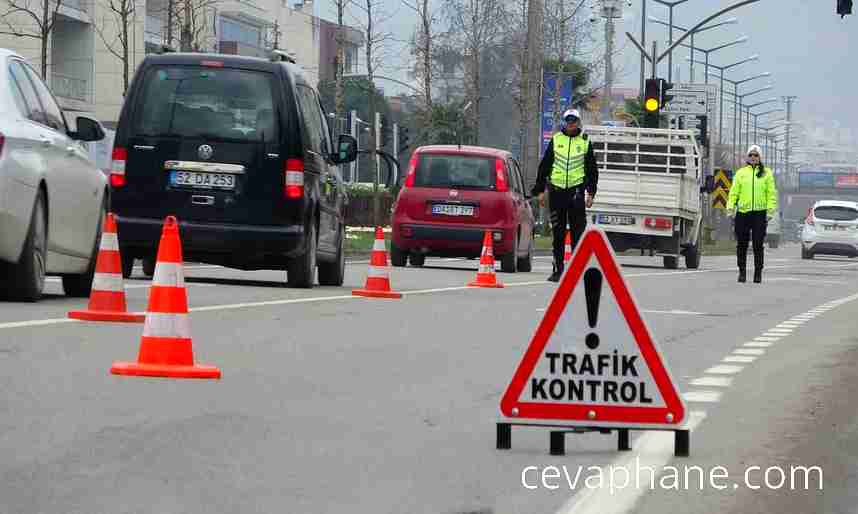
84, 67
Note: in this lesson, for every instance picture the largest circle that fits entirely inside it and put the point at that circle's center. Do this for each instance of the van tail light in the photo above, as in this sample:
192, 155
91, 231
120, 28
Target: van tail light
659, 223
501, 184
294, 179
412, 171
117, 168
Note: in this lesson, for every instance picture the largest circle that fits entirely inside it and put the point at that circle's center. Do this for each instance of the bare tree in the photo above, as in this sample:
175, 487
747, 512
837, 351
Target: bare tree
422, 47
116, 31
340, 64
474, 27
189, 21
44, 18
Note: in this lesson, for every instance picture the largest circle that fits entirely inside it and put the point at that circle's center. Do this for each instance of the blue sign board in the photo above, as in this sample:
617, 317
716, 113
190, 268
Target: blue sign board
815, 179
549, 98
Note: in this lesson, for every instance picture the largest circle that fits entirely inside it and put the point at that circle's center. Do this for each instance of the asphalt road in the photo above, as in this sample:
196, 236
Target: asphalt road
331, 403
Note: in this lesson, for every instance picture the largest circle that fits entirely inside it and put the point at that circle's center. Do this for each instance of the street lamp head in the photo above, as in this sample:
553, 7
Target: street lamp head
742, 39
754, 57
654, 19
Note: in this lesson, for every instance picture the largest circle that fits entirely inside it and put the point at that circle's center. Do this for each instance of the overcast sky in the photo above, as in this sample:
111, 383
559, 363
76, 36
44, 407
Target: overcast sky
810, 52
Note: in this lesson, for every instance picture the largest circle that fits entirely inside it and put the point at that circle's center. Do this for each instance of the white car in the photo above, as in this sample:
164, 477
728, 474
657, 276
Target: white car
52, 196
831, 228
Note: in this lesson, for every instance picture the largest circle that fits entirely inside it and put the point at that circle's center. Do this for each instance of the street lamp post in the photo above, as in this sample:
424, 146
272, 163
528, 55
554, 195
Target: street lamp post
730, 21
738, 98
721, 102
757, 115
670, 6
748, 120
742, 39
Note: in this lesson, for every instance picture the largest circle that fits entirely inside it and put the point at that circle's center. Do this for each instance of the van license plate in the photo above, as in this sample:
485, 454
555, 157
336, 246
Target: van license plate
610, 219
202, 180
453, 210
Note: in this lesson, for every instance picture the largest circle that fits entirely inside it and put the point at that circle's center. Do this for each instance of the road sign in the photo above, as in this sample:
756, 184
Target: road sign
593, 360
722, 189
687, 102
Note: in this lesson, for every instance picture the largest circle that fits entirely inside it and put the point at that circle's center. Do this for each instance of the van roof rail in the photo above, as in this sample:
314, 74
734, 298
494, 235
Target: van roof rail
282, 55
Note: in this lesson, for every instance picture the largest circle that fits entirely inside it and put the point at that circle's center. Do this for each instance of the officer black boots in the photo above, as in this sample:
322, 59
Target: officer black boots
742, 261
758, 266
558, 271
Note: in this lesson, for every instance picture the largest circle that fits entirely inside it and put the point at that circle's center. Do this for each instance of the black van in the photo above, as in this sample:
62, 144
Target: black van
239, 150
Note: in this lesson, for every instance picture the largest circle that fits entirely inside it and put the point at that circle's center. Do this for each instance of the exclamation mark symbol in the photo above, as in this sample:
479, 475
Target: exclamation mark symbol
593, 292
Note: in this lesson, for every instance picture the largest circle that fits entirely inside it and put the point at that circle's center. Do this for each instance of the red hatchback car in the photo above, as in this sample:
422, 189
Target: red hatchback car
453, 194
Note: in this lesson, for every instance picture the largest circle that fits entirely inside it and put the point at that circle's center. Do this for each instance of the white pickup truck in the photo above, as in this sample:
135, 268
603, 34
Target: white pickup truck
651, 191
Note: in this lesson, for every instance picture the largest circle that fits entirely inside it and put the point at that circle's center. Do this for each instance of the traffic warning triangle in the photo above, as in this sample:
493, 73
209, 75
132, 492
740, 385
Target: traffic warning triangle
593, 360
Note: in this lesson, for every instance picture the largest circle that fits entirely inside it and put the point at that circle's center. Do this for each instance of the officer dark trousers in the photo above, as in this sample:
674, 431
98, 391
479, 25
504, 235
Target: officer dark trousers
750, 225
572, 215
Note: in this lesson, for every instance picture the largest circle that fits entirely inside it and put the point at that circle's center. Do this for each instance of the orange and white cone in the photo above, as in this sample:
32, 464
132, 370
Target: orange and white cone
567, 249
486, 273
378, 278
166, 346
107, 298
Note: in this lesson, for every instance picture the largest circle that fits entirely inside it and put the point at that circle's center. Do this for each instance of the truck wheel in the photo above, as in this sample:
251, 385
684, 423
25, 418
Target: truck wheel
692, 256
670, 262
805, 254
773, 242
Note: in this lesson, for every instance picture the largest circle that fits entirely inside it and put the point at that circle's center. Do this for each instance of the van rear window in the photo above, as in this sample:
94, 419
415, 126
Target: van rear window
188, 101
459, 171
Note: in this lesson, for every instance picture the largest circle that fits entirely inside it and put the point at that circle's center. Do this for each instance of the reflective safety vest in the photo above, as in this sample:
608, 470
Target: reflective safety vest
751, 193
569, 154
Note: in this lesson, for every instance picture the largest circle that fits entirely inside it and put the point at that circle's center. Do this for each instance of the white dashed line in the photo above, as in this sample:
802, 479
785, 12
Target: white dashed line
712, 382
767, 339
702, 396
781, 330
739, 358
749, 351
758, 344
724, 370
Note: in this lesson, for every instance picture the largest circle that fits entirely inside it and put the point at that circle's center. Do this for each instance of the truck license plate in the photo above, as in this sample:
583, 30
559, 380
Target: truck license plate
202, 180
612, 219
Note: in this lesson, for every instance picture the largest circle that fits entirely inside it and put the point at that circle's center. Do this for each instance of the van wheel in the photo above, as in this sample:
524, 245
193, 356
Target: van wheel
333, 273
27, 277
397, 256
302, 269
671, 262
509, 260
417, 259
805, 254
149, 266
80, 286
127, 263
525, 264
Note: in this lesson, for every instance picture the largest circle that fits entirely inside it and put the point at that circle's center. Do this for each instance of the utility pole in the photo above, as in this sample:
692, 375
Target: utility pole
611, 10
354, 131
533, 112
789, 100
643, 44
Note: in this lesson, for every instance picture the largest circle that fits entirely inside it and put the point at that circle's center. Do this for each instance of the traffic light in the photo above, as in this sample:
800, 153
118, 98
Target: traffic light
704, 133
386, 131
403, 138
652, 96
664, 98
844, 7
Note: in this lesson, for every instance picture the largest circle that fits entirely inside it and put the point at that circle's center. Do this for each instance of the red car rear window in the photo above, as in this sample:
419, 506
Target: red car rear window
455, 171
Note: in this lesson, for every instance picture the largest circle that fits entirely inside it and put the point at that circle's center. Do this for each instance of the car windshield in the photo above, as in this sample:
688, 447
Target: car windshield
836, 213
195, 101
460, 171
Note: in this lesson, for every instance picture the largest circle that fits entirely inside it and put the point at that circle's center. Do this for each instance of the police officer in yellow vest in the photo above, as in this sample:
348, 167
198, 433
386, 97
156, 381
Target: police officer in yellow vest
753, 200
569, 170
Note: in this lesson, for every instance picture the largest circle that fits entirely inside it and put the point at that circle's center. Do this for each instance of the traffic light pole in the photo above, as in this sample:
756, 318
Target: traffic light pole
396, 141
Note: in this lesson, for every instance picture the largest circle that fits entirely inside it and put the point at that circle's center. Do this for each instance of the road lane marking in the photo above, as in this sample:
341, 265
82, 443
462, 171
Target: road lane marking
712, 381
768, 339
652, 451
781, 330
746, 359
702, 396
749, 351
724, 370
36, 323
758, 344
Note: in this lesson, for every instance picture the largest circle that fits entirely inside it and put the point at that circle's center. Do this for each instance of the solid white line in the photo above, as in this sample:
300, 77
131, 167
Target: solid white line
654, 450
749, 351
36, 323
739, 358
712, 381
724, 370
702, 396
757, 344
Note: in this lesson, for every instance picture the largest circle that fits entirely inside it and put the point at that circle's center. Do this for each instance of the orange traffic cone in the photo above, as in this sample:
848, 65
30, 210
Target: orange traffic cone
107, 298
567, 250
166, 346
486, 273
378, 279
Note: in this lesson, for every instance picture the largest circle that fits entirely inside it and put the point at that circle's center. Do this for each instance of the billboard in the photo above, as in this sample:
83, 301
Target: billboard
846, 181
815, 179
556, 88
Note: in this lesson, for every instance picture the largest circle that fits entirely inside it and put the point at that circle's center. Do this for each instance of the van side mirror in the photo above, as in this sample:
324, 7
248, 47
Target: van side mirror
347, 150
87, 130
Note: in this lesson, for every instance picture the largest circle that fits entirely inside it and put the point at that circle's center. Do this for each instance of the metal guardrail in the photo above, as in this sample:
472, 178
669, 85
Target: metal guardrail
70, 87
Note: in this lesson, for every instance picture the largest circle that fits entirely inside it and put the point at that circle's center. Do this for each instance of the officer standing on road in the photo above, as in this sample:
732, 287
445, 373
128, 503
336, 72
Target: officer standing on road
569, 170
753, 200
